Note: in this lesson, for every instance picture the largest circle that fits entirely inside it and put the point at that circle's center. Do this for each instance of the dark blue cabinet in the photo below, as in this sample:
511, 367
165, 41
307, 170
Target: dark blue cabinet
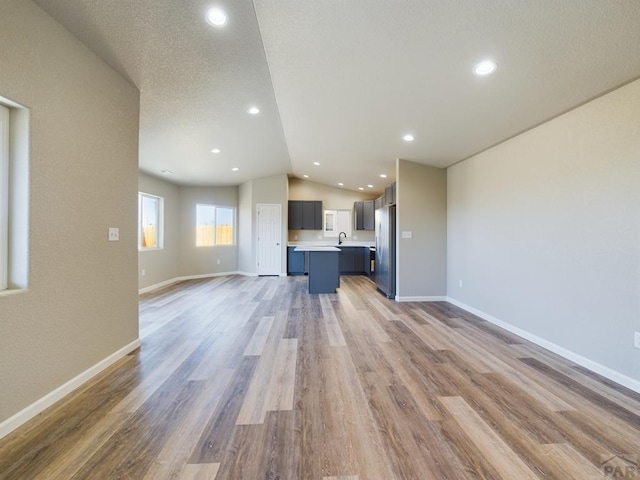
324, 276
390, 194
365, 215
305, 215
295, 262
352, 260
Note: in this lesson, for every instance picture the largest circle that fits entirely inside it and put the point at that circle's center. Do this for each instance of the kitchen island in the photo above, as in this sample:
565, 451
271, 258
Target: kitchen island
324, 268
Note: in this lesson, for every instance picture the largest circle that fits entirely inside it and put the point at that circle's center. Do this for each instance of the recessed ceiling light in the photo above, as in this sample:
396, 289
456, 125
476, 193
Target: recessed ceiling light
216, 17
166, 172
340, 184
305, 176
408, 138
316, 164
370, 186
215, 150
253, 110
235, 169
485, 68
382, 175
360, 188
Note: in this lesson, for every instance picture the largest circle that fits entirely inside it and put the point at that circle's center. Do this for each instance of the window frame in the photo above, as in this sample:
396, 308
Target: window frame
234, 219
160, 220
4, 197
337, 221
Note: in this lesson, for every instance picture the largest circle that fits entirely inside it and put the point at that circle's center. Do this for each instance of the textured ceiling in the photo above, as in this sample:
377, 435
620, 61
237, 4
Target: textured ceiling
339, 83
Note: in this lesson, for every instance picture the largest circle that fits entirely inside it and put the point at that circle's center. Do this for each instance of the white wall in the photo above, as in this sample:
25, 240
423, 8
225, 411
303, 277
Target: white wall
81, 303
544, 231
421, 208
162, 264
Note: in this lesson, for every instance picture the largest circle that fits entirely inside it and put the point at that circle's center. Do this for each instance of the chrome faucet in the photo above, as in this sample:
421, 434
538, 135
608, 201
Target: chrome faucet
340, 237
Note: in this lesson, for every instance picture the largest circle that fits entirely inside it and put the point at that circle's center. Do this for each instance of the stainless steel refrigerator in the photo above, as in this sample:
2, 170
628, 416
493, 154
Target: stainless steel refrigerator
385, 272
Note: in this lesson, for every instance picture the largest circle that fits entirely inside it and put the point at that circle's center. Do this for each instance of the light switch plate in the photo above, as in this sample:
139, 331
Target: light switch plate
407, 234
114, 234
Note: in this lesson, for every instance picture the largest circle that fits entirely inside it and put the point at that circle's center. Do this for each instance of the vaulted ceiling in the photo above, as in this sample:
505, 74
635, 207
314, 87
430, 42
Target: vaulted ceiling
340, 83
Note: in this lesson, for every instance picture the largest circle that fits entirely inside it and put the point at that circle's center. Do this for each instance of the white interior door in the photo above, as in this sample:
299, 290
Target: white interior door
269, 239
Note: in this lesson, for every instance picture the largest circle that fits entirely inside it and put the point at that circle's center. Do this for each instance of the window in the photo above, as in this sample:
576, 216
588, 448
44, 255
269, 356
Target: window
4, 195
14, 197
330, 221
214, 225
336, 221
150, 211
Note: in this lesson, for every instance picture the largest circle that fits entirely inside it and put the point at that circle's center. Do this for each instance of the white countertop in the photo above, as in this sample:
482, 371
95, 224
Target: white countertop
334, 243
316, 248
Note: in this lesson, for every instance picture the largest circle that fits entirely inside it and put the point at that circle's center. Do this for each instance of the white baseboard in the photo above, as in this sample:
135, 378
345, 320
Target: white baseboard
156, 286
596, 367
207, 275
246, 274
171, 281
421, 299
52, 397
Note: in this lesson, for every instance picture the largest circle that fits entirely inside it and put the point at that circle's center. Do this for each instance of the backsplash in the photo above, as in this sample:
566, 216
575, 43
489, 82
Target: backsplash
316, 235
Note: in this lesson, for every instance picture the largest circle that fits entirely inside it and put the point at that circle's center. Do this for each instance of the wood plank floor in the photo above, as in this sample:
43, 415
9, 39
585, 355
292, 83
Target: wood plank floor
253, 378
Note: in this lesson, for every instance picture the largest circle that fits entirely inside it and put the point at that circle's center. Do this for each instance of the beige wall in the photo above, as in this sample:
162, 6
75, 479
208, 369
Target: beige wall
544, 231
161, 265
246, 258
269, 190
194, 260
333, 198
272, 190
421, 208
81, 304
180, 257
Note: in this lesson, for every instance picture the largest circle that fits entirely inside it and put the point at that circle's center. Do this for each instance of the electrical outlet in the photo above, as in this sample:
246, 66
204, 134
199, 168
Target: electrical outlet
460, 283
114, 234
636, 340
218, 261
144, 272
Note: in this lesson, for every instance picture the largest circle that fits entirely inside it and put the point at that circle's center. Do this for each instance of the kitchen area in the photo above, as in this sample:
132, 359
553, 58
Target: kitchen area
334, 232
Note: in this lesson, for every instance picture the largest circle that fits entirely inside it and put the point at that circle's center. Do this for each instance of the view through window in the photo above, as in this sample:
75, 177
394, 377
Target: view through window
214, 225
149, 221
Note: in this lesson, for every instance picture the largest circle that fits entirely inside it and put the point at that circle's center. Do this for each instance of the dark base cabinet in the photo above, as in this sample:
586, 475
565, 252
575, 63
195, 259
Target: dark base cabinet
295, 262
352, 260
323, 272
